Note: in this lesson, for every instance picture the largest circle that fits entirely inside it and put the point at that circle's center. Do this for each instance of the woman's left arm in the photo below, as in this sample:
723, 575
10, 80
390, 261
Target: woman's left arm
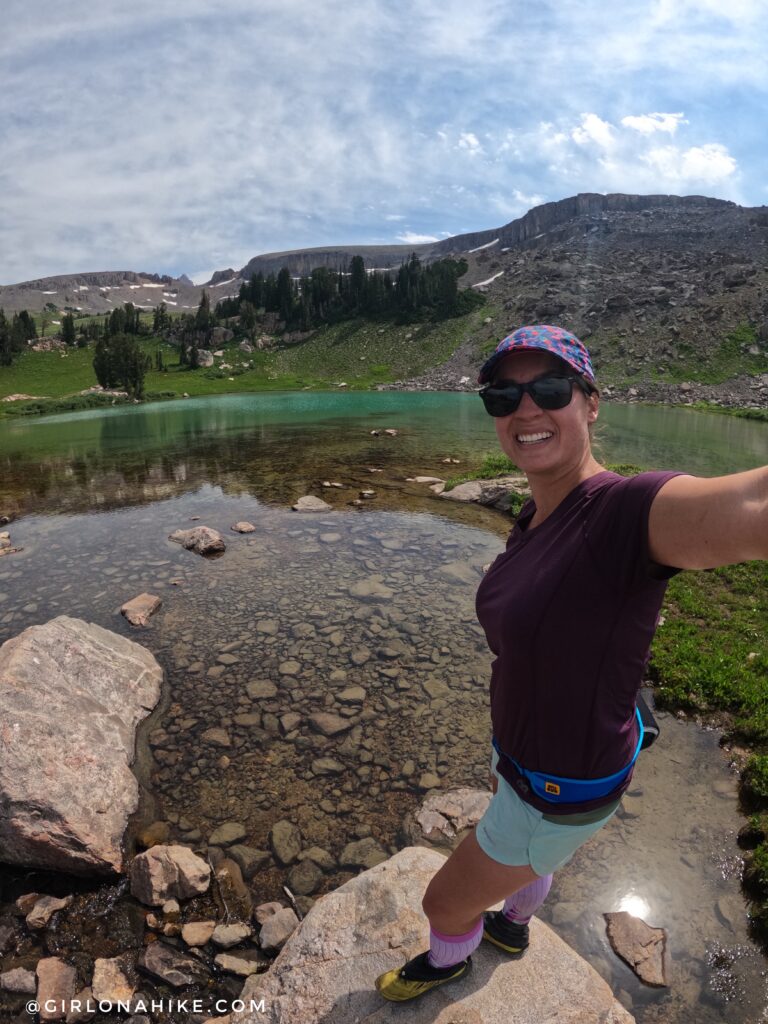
696, 523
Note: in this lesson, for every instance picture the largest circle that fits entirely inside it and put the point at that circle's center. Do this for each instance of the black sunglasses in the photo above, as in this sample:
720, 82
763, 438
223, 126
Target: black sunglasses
552, 391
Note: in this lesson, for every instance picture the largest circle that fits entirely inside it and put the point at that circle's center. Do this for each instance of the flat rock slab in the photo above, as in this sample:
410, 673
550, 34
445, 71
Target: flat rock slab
243, 527
140, 609
373, 923
201, 539
639, 945
72, 694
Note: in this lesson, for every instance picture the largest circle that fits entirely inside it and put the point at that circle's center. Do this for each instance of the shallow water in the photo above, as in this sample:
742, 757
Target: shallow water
280, 612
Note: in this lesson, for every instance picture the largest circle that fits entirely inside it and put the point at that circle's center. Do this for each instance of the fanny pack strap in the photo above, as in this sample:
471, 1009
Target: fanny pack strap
558, 789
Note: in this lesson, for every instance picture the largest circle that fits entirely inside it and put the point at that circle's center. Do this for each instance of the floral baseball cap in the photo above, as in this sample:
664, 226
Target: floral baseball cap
547, 338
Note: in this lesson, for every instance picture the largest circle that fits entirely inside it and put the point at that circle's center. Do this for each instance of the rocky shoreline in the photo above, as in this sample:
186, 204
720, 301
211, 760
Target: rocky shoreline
743, 392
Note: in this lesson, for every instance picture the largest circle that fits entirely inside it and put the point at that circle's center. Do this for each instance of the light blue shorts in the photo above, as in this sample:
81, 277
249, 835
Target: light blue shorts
513, 833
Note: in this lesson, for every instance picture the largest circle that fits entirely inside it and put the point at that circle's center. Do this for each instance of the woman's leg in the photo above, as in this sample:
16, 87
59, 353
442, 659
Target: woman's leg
521, 905
467, 884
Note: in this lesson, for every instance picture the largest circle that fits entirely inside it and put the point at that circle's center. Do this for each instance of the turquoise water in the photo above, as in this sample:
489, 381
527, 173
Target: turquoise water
273, 443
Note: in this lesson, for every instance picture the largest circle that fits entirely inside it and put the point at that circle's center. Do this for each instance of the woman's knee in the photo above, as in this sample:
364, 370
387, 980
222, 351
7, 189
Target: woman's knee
432, 901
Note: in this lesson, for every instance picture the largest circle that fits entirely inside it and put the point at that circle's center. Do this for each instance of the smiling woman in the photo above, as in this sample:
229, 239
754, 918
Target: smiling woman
585, 569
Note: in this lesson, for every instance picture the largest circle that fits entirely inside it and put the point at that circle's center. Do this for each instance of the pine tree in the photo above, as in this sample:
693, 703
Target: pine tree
6, 352
119, 362
203, 317
68, 330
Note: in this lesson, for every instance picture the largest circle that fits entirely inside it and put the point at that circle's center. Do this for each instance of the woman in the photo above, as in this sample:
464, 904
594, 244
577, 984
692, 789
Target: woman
569, 611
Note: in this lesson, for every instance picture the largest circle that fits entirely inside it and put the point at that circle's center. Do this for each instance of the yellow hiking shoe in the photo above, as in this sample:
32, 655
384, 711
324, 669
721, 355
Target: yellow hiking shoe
511, 937
418, 977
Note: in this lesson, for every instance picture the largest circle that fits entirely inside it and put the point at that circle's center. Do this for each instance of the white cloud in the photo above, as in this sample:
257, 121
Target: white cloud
470, 142
395, 216
593, 130
646, 124
709, 164
412, 238
633, 162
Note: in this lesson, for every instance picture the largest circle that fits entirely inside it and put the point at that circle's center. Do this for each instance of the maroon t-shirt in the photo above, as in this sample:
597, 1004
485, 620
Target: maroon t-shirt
569, 610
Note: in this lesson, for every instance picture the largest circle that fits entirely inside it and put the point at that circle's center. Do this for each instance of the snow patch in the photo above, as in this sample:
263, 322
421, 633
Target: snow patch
486, 246
481, 284
49, 293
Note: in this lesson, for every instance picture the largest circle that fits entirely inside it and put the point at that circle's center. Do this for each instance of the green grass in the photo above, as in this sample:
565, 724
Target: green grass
493, 465
710, 655
729, 359
365, 353
361, 354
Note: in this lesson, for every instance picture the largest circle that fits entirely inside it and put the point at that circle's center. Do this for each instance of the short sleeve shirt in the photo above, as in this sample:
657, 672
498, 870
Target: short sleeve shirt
569, 611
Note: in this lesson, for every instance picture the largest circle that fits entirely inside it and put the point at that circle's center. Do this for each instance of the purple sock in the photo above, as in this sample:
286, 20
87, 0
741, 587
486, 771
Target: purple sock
446, 950
519, 907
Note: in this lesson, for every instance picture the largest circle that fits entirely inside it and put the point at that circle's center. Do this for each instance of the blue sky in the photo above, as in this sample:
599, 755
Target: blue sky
190, 138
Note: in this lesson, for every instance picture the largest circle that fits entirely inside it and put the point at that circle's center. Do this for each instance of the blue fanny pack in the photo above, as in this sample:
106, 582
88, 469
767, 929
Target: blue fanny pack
559, 790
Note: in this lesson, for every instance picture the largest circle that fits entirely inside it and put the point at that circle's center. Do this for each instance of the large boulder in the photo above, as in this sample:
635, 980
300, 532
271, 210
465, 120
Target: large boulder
499, 492
327, 968
72, 694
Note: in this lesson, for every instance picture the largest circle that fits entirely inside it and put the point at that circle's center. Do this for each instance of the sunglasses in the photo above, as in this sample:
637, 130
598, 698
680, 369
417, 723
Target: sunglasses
553, 391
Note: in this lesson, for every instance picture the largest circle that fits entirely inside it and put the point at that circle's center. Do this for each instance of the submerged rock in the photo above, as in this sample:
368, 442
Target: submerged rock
44, 909
373, 923
639, 945
19, 980
201, 539
72, 695
139, 609
174, 968
449, 813
309, 503
285, 840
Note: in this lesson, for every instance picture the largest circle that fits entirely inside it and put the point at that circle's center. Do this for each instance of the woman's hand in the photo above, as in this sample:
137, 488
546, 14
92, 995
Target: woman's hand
696, 523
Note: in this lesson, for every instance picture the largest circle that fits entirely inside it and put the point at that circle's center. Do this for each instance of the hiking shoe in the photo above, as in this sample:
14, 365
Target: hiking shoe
511, 937
417, 977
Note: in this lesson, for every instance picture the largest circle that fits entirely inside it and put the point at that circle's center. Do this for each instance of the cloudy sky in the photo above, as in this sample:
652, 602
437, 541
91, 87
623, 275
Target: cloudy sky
187, 137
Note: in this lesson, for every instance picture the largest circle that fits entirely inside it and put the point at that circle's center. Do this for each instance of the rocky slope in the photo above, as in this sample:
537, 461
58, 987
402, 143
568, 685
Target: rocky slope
99, 292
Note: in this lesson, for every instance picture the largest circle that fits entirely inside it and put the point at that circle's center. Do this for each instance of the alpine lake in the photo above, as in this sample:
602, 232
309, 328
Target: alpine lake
377, 595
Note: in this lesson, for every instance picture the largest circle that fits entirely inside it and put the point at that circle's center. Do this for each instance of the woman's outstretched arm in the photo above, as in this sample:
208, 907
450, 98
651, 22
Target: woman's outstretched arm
697, 523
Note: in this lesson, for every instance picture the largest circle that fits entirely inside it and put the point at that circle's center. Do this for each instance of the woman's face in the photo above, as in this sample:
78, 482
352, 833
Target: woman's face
542, 441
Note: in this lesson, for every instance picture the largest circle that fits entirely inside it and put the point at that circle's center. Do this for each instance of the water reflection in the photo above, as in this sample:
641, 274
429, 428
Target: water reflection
635, 905
268, 444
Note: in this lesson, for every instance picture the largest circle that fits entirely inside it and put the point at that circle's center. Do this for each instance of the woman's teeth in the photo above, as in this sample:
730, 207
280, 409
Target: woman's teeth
532, 438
